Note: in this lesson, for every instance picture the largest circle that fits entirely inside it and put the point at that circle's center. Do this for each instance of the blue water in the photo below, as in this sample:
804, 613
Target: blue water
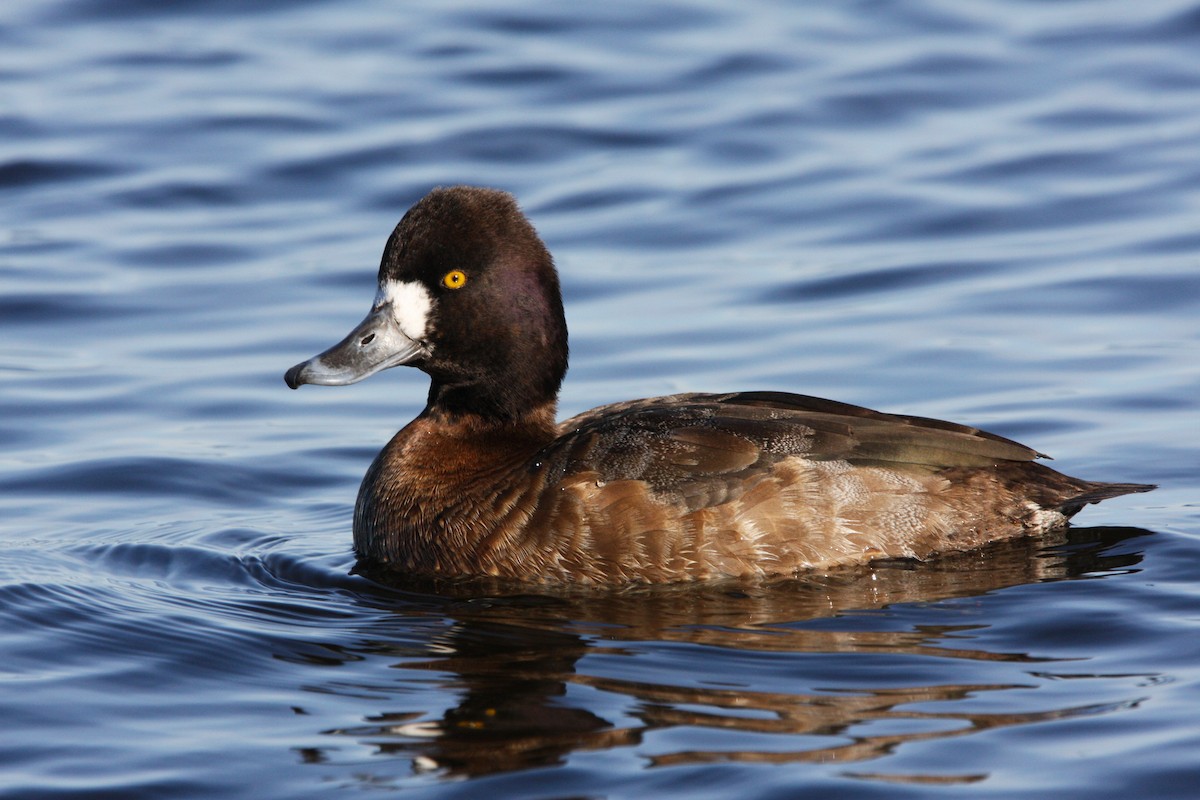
985, 212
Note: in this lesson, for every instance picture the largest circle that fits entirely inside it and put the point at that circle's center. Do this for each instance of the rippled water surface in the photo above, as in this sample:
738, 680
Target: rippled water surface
985, 212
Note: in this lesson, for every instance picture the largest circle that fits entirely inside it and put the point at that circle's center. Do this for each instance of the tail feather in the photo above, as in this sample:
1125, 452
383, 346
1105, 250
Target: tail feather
1095, 492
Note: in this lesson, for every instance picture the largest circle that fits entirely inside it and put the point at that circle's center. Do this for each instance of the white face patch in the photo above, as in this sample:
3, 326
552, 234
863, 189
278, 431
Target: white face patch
411, 302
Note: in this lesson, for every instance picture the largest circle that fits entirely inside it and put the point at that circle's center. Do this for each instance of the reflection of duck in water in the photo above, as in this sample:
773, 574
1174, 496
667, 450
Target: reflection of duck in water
529, 695
485, 482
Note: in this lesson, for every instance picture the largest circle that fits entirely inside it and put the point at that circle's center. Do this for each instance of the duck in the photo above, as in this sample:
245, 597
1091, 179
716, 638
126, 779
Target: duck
486, 483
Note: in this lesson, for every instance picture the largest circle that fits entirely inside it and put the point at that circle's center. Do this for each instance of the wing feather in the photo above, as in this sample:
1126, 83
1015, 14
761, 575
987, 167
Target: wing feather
704, 449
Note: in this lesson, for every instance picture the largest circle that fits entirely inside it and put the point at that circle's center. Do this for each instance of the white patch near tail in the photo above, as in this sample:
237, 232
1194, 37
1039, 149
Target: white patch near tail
1044, 519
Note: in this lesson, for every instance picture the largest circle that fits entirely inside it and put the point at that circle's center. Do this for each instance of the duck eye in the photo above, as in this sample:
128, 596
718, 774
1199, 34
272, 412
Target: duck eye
454, 279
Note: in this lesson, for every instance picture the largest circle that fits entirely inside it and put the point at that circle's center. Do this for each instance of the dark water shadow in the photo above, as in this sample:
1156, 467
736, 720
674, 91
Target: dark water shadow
513, 660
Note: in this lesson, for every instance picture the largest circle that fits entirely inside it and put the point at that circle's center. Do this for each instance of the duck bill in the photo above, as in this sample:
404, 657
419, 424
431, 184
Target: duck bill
376, 344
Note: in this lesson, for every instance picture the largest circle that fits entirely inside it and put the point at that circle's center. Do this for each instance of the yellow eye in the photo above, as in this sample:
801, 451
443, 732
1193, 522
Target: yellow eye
454, 279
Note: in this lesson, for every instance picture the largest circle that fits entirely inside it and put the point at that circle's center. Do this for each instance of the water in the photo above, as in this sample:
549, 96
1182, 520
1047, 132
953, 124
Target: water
981, 212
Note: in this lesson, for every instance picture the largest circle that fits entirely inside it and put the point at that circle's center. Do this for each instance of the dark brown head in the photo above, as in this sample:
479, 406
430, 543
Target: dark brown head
469, 294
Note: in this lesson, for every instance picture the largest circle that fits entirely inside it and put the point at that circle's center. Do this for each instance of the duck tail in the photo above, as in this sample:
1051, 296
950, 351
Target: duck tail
1095, 492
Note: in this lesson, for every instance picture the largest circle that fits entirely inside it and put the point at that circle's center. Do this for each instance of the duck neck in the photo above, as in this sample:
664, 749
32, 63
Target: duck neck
482, 419
469, 402
504, 393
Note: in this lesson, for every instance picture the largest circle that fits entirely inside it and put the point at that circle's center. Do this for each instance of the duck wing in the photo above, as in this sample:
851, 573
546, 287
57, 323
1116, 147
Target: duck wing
706, 449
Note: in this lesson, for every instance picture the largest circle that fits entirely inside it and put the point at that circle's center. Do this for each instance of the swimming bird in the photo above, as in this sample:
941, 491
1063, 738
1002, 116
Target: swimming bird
486, 482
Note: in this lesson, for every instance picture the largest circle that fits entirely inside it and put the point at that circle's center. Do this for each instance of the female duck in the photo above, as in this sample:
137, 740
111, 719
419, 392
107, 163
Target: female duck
691, 486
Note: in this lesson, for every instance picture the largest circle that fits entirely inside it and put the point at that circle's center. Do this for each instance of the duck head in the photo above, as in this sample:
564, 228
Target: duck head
468, 294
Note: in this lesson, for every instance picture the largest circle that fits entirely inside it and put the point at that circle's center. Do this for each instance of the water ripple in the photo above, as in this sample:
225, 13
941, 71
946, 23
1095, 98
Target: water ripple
209, 481
31, 173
